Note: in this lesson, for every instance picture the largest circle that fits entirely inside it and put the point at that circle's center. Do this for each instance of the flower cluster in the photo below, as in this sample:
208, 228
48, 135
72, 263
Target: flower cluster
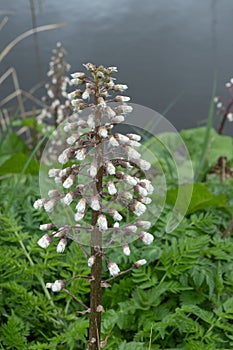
224, 111
56, 88
112, 183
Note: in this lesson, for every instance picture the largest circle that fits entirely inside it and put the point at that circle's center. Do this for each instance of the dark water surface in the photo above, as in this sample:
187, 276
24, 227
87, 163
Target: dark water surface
164, 49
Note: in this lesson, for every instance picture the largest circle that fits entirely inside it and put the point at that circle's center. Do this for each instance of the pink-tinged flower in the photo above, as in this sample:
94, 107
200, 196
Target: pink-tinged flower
78, 216
45, 241
113, 142
68, 199
110, 168
131, 229
113, 269
95, 204
102, 222
61, 245
144, 224
91, 261
81, 154
140, 263
111, 188
46, 227
69, 181
50, 205
126, 249
57, 286
122, 99
81, 206
38, 204
146, 237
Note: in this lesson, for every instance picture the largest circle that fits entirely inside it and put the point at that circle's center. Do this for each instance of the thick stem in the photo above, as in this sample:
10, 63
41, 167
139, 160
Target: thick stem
96, 248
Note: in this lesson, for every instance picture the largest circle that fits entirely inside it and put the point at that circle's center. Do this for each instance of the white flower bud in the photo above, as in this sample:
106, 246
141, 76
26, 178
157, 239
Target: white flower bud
53, 193
219, 105
103, 132
140, 190
134, 137
110, 113
228, 85
124, 109
91, 261
121, 138
131, 153
116, 225
111, 188
91, 121
147, 185
78, 216
57, 286
78, 75
72, 139
69, 181
115, 214
130, 180
144, 224
127, 195
230, 117
64, 156
54, 172
140, 263
145, 200
100, 308
61, 245
118, 119
120, 87
50, 205
113, 142
113, 269
38, 204
81, 206
95, 204
143, 164
68, 199
110, 168
126, 249
48, 285
93, 170
44, 241
138, 208
86, 95
102, 222
122, 98
46, 227
146, 237
81, 154
131, 229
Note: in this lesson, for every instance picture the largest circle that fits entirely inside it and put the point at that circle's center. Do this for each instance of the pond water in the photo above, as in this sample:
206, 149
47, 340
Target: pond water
167, 52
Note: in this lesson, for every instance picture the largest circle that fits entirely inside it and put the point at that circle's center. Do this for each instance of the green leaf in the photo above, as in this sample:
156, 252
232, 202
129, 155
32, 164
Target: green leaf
200, 200
15, 164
